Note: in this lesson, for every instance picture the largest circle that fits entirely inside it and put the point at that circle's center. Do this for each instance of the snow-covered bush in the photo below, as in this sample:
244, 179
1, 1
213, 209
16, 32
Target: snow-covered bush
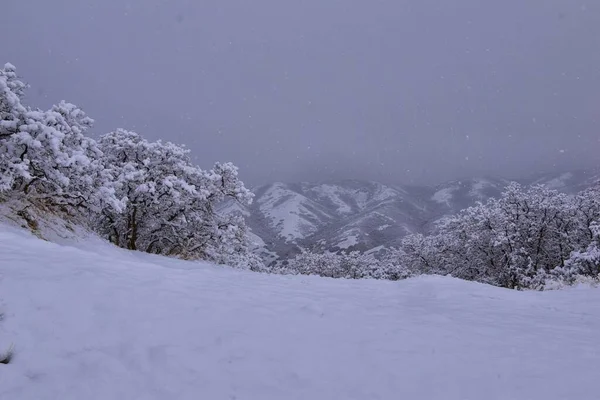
11, 93
46, 156
418, 253
353, 265
141, 195
522, 240
394, 265
170, 203
584, 262
12, 113
329, 265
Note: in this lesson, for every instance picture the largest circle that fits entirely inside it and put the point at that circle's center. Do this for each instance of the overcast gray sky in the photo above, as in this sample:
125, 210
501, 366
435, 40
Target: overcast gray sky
395, 90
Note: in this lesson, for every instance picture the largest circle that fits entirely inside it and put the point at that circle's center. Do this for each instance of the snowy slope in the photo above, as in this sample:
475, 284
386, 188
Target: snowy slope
373, 214
347, 214
456, 195
568, 182
94, 322
291, 214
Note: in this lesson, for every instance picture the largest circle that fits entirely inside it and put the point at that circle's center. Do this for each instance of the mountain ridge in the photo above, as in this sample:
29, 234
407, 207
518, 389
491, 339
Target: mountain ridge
352, 214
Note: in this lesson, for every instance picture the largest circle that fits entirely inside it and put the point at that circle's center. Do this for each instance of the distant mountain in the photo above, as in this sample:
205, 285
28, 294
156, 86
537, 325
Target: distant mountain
367, 216
568, 182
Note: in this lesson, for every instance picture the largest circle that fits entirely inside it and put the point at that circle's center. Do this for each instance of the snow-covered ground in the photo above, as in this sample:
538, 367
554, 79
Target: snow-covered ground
93, 322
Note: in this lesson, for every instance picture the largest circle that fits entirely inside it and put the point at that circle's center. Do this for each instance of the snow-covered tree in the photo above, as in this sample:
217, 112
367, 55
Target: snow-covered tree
308, 263
11, 93
46, 156
170, 203
516, 241
394, 265
11, 117
584, 262
352, 265
418, 253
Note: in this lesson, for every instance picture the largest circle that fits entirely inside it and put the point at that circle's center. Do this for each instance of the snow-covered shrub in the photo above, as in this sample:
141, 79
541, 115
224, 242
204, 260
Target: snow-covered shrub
45, 155
353, 265
524, 239
11, 93
582, 263
141, 195
170, 203
12, 114
418, 253
394, 265
307, 263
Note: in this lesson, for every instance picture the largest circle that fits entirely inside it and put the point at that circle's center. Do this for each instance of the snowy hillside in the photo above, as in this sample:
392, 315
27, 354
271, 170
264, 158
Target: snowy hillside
90, 321
338, 215
568, 182
362, 215
456, 195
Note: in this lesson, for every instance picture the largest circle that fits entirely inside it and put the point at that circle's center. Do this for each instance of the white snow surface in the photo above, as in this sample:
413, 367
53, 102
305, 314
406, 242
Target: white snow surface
444, 196
384, 193
286, 209
335, 193
478, 186
559, 182
349, 241
89, 321
339, 196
